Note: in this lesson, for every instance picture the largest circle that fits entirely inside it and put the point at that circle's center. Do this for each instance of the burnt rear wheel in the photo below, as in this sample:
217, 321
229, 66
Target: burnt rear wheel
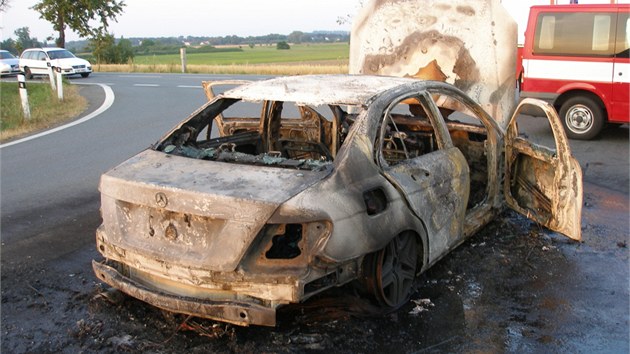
390, 272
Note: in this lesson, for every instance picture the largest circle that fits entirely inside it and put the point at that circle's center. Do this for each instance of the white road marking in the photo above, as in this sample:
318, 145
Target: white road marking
146, 85
142, 76
109, 100
187, 86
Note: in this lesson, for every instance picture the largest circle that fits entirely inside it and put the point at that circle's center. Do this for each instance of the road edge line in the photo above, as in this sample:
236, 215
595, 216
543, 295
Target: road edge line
109, 100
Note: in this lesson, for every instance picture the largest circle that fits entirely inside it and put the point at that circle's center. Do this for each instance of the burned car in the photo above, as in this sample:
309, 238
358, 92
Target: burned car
277, 190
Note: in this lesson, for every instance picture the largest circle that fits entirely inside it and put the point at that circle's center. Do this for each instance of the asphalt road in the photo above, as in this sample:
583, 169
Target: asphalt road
49, 204
55, 177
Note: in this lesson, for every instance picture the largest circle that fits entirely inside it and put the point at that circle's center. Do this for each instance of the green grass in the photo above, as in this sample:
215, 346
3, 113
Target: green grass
257, 55
46, 109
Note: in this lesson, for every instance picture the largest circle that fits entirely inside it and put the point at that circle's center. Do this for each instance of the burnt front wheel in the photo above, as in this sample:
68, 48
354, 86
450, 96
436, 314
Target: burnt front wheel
390, 272
583, 118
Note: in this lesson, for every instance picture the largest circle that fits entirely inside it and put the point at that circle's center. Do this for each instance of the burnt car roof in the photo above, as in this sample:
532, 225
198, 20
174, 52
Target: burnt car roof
317, 89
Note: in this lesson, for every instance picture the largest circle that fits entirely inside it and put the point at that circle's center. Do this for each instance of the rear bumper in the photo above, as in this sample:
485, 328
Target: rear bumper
236, 312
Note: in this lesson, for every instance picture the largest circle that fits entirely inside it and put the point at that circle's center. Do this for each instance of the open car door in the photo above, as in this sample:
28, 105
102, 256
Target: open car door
542, 184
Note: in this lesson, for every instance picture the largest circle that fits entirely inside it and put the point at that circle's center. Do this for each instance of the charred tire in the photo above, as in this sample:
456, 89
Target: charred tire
390, 272
27, 73
85, 74
583, 118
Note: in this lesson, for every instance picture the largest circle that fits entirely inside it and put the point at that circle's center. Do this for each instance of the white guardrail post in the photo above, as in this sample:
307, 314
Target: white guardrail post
59, 84
51, 76
24, 96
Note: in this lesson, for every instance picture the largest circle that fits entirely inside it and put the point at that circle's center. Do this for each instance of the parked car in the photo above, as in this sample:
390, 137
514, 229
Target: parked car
277, 190
35, 61
8, 63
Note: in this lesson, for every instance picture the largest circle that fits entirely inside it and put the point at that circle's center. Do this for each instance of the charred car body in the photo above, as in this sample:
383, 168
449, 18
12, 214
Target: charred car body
277, 190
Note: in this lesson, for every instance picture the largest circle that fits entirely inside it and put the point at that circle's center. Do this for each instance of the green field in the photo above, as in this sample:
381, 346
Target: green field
257, 55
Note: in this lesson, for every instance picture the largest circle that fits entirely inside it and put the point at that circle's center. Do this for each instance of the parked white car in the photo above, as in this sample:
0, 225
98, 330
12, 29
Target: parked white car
8, 63
35, 61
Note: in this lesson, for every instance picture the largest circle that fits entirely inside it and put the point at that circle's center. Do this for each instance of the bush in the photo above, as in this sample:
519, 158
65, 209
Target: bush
283, 45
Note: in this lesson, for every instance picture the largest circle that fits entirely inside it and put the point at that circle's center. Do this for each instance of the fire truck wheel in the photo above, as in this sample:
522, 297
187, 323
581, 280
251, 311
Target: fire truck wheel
582, 117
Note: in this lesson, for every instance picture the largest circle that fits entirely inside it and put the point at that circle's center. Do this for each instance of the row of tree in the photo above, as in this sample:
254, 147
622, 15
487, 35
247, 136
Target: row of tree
294, 37
169, 45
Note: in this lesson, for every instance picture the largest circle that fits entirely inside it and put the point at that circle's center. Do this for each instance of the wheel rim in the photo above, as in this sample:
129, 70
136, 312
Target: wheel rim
579, 119
396, 270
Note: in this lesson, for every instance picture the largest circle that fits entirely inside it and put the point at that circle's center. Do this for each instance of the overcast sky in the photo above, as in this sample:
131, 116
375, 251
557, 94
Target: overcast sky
168, 18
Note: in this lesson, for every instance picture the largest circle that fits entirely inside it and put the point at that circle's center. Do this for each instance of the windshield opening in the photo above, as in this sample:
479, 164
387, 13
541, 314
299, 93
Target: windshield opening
270, 133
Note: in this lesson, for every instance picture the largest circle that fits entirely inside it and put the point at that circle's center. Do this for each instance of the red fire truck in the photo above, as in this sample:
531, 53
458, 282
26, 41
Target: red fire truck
577, 58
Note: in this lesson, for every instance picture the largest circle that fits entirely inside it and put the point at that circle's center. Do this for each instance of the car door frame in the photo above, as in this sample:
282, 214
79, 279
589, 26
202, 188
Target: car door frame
483, 213
555, 204
412, 179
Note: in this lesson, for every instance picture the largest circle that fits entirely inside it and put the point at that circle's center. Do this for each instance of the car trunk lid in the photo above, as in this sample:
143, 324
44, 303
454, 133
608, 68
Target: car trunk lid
202, 214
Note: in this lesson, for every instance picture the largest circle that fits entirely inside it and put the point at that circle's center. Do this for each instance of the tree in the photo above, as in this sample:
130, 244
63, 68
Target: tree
24, 39
295, 37
103, 48
76, 15
10, 45
147, 43
125, 50
4, 5
106, 51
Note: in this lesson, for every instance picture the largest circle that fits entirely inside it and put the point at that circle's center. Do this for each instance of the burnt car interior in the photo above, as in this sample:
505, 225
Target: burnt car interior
409, 134
297, 136
285, 135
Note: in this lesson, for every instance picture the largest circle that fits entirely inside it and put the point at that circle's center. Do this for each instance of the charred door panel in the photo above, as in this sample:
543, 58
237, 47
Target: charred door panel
540, 183
436, 188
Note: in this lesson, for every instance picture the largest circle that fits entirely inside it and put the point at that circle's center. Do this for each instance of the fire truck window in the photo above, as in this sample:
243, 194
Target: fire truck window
601, 33
623, 37
575, 34
546, 34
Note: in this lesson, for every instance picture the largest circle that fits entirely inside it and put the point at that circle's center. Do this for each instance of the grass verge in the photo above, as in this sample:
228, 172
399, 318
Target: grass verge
46, 109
